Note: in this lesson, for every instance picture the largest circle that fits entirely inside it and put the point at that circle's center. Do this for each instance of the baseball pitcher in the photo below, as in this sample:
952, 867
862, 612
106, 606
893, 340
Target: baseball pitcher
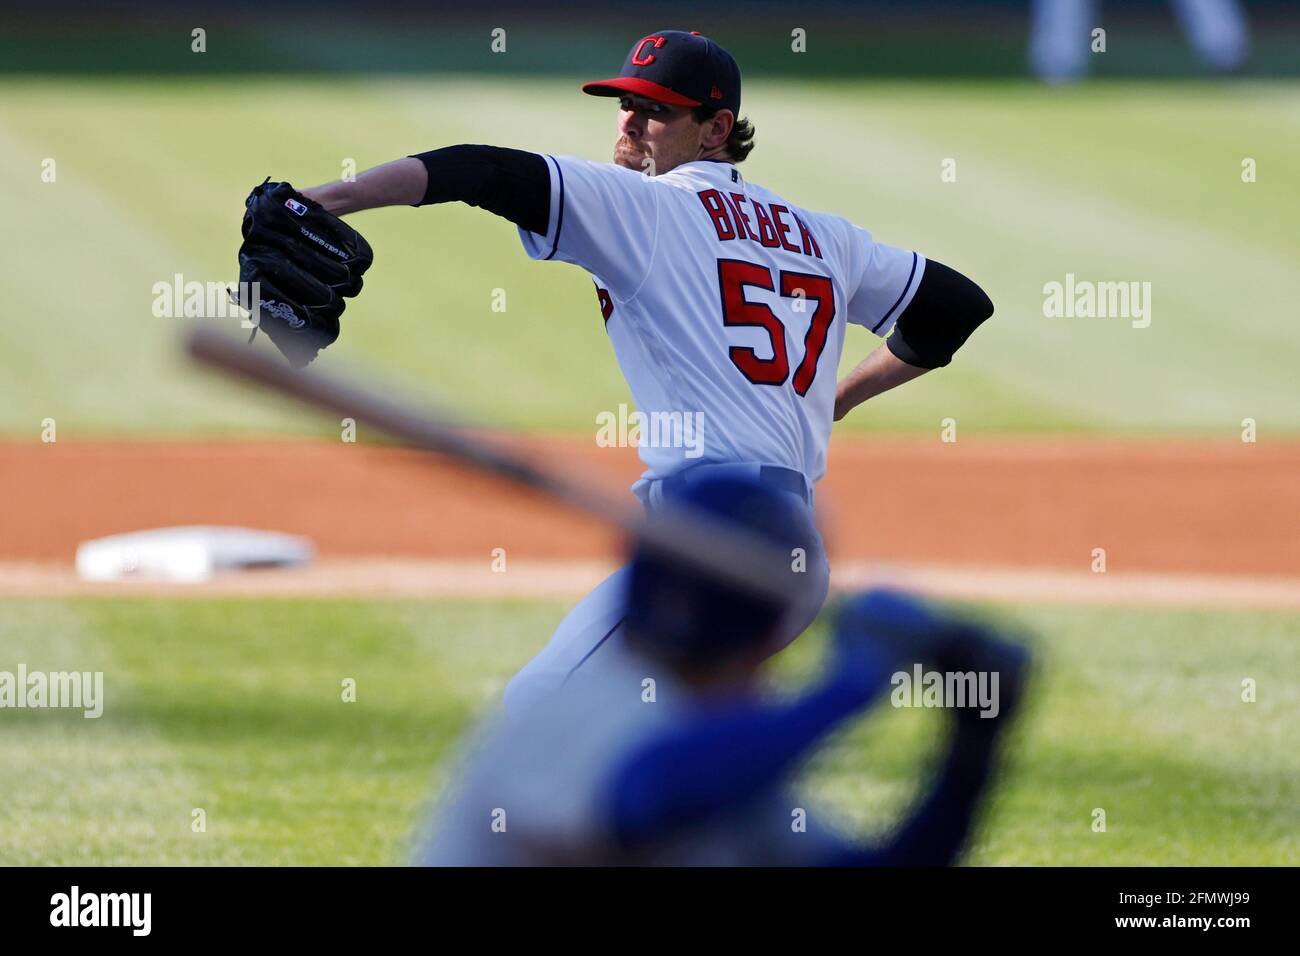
721, 298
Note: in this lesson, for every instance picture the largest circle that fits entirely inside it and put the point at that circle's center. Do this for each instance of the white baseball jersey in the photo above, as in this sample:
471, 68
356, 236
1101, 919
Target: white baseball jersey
723, 301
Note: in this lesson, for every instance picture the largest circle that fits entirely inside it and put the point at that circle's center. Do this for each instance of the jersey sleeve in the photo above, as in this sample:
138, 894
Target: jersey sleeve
883, 280
603, 218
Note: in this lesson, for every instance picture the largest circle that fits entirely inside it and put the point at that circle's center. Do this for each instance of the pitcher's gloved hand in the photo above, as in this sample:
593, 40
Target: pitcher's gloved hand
305, 261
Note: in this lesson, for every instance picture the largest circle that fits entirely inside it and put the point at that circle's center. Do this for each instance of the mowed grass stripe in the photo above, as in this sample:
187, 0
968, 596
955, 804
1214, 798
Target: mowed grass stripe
87, 791
1111, 182
251, 694
88, 351
1136, 712
1019, 216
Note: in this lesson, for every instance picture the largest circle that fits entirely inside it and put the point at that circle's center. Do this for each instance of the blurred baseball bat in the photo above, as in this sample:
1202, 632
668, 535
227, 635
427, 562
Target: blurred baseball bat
697, 539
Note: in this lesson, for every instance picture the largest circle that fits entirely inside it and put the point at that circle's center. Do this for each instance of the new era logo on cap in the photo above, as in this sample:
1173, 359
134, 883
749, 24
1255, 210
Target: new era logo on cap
678, 68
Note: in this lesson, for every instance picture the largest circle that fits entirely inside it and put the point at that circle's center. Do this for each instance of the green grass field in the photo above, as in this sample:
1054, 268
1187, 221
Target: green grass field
235, 707
1114, 181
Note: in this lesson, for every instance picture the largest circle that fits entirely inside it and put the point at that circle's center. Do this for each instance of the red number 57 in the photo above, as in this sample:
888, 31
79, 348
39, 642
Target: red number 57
733, 277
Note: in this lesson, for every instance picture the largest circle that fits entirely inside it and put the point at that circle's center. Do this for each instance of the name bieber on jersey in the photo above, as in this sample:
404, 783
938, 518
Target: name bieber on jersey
730, 221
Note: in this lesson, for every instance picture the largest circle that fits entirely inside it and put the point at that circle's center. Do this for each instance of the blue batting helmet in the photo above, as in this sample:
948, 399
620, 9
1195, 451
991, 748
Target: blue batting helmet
679, 614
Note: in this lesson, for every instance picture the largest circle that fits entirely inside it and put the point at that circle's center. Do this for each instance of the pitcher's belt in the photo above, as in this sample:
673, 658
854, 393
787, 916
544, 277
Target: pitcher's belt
771, 476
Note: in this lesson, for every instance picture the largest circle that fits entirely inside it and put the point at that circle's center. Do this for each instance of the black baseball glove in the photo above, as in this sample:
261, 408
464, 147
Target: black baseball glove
305, 261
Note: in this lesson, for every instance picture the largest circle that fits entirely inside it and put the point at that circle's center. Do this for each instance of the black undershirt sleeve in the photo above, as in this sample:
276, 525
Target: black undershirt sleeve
511, 183
946, 308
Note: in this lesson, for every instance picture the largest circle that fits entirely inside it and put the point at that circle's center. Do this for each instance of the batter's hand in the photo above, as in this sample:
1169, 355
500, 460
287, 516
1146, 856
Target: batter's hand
905, 630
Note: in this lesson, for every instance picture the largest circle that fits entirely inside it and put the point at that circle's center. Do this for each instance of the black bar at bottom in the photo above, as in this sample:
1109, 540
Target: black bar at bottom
335, 906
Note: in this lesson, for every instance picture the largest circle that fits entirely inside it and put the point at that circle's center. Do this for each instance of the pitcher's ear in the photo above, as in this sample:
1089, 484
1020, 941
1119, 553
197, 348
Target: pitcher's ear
721, 124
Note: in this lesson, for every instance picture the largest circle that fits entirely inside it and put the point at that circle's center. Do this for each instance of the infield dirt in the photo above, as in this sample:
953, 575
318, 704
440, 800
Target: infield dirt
1156, 507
